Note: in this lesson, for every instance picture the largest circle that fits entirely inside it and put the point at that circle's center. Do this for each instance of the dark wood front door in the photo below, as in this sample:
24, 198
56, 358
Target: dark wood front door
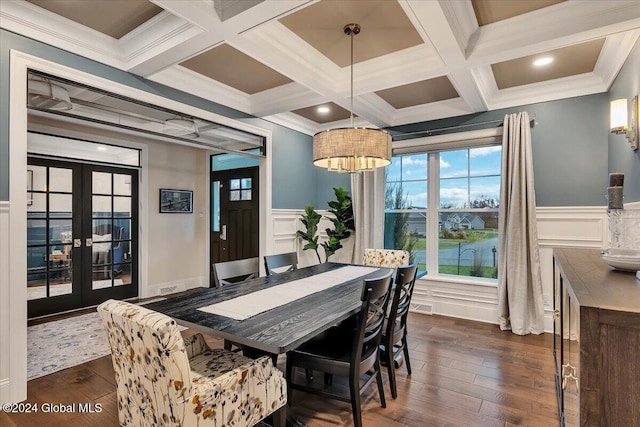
234, 214
81, 235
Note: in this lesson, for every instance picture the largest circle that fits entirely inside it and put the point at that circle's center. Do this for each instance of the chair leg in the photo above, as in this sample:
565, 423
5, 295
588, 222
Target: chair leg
383, 401
280, 417
406, 353
354, 390
289, 377
328, 379
391, 370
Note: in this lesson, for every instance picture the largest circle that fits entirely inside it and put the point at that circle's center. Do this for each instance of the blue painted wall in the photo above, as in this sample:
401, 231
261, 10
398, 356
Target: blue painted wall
621, 157
569, 141
291, 150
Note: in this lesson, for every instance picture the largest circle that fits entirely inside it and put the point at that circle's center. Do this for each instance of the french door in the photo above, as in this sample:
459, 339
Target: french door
235, 213
82, 244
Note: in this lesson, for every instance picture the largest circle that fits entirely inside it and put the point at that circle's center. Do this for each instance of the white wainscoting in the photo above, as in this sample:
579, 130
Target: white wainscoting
286, 222
567, 227
580, 227
5, 319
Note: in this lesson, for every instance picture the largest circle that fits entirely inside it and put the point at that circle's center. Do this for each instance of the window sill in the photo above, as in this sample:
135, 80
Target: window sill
491, 283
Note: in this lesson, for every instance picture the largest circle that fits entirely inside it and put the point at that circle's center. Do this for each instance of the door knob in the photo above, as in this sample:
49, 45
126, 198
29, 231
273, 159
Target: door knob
223, 233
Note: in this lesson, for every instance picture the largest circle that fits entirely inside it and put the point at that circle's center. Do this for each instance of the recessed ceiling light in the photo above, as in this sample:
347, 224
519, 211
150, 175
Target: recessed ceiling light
323, 109
101, 148
545, 60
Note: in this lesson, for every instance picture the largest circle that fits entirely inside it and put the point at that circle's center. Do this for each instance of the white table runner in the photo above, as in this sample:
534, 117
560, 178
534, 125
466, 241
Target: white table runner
249, 305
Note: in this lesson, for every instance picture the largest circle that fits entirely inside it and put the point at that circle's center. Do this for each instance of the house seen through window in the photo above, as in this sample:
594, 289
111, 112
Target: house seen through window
456, 196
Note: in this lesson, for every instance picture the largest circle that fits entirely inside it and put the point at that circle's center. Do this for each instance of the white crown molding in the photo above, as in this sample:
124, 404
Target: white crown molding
309, 127
287, 97
409, 65
453, 42
567, 87
188, 81
550, 28
462, 20
372, 108
155, 36
432, 111
276, 46
614, 53
485, 82
37, 23
432, 23
466, 85
295, 122
200, 14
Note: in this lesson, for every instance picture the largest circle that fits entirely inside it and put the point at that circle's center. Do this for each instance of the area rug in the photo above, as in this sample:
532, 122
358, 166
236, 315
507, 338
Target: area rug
61, 344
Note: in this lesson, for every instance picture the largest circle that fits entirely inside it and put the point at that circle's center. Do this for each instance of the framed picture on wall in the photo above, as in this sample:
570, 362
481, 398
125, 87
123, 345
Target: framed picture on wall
176, 201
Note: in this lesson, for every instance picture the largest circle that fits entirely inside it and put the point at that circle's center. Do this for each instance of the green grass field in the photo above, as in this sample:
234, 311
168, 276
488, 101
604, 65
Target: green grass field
465, 270
472, 236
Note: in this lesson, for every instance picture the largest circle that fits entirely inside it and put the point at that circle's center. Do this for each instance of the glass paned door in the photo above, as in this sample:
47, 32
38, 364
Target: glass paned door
80, 243
111, 224
51, 224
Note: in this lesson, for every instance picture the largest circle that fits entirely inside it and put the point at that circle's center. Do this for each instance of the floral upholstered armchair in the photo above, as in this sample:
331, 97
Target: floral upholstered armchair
390, 258
165, 380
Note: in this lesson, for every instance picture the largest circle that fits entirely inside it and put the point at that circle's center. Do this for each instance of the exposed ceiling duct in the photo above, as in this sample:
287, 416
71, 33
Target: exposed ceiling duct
185, 128
47, 95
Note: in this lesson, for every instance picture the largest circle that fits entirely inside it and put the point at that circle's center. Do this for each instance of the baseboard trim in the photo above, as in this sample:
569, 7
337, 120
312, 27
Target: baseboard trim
167, 288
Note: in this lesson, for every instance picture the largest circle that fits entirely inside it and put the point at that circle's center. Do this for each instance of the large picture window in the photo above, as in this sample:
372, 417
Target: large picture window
443, 208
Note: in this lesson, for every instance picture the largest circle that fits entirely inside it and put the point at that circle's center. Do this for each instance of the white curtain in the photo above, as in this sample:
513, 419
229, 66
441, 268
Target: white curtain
520, 300
367, 195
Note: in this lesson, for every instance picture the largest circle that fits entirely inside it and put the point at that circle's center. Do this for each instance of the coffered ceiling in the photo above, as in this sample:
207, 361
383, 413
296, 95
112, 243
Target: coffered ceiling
415, 60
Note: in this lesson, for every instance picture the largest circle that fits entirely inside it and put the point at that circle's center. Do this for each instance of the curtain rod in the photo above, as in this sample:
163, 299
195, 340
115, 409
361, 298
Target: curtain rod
429, 131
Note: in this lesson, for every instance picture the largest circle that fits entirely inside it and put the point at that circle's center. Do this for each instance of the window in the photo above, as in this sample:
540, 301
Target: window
443, 208
240, 189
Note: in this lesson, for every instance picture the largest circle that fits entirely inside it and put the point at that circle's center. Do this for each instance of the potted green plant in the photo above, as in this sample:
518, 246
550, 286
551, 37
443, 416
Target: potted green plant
310, 220
342, 220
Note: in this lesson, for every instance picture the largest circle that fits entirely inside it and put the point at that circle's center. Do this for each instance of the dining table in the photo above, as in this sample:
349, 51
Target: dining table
307, 308
283, 327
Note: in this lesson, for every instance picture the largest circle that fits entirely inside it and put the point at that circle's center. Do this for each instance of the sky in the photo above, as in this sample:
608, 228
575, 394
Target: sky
464, 175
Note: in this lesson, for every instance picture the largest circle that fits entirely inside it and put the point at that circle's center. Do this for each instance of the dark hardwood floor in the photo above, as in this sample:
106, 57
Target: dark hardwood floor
464, 374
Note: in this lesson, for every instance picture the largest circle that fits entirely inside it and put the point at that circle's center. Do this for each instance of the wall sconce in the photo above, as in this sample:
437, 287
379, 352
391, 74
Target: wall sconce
624, 123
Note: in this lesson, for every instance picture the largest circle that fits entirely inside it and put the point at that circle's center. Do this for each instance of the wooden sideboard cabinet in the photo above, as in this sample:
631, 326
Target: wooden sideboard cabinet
596, 341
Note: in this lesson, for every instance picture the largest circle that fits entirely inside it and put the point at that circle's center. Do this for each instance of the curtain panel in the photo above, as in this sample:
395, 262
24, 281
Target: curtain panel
520, 299
367, 195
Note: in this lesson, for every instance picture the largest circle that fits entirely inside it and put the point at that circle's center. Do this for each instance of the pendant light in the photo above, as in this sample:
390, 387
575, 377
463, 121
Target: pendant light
352, 149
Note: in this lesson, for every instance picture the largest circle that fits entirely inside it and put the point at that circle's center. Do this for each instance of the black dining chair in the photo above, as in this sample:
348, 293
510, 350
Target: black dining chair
394, 338
351, 352
289, 260
230, 272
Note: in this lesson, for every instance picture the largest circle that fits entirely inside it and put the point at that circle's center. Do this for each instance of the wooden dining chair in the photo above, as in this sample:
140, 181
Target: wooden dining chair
351, 352
230, 272
272, 262
394, 338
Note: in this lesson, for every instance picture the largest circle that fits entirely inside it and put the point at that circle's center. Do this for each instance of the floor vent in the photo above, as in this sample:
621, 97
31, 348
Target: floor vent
422, 308
167, 290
